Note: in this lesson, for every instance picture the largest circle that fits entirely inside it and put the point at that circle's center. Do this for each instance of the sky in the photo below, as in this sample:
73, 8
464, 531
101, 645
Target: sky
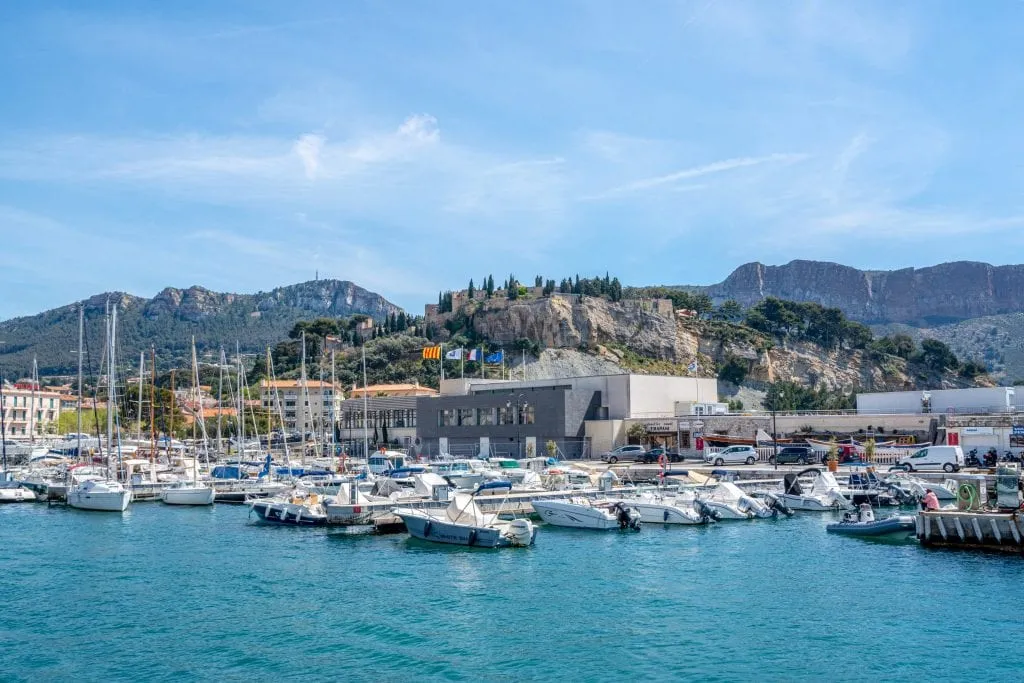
409, 146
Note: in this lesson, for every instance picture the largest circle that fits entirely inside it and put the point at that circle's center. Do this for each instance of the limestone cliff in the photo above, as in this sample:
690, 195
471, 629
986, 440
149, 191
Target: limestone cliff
942, 293
636, 337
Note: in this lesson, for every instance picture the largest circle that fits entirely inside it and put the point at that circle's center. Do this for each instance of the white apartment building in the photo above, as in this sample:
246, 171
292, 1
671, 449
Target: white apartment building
311, 406
27, 412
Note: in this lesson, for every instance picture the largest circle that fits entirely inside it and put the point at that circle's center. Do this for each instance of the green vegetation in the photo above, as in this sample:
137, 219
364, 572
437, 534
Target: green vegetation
793, 396
733, 370
826, 327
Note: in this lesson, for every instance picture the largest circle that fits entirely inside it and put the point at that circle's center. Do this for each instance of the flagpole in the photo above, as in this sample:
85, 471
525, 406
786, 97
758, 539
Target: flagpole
481, 363
462, 362
441, 360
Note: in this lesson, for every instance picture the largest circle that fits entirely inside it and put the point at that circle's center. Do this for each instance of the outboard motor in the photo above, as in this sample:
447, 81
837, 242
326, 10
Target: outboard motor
706, 512
628, 518
778, 506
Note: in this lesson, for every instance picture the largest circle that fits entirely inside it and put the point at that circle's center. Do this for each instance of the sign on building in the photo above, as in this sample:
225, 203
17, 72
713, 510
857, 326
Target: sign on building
1018, 430
977, 431
661, 426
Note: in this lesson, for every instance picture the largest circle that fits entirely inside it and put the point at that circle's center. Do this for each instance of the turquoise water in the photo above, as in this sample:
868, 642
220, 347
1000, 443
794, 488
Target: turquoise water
167, 594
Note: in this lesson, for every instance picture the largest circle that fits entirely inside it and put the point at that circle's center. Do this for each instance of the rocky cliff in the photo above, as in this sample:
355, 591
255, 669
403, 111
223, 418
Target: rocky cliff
169, 319
635, 337
944, 293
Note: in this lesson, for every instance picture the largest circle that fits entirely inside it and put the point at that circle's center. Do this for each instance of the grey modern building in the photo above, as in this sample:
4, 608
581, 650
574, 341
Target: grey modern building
520, 418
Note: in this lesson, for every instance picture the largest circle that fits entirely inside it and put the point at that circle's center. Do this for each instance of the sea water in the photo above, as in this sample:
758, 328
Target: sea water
168, 593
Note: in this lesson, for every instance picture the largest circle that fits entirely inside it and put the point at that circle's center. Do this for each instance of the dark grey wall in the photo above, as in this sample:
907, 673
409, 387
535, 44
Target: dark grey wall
549, 415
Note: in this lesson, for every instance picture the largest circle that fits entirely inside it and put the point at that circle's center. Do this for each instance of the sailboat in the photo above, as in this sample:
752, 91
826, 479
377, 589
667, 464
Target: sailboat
92, 488
193, 492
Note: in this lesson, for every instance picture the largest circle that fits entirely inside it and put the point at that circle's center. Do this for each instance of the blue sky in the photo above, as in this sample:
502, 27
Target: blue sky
409, 146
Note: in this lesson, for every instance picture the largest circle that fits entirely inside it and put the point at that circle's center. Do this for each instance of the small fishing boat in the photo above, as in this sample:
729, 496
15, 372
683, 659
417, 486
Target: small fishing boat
464, 523
862, 522
824, 493
299, 509
13, 492
188, 493
730, 502
582, 513
665, 508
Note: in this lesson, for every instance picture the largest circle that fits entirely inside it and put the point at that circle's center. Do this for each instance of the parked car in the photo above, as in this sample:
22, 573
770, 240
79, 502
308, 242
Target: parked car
654, 455
733, 455
627, 452
794, 455
945, 458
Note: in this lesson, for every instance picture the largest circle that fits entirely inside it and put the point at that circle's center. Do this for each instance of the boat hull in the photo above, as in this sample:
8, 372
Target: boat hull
560, 513
198, 495
105, 501
434, 530
274, 512
663, 513
811, 503
728, 511
897, 525
16, 495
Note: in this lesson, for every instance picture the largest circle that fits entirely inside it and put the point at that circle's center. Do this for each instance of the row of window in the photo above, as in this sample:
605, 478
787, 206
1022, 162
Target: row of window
484, 417
23, 415
25, 400
397, 417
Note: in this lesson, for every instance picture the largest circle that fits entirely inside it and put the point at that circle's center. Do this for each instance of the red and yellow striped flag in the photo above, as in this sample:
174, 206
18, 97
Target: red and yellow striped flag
432, 353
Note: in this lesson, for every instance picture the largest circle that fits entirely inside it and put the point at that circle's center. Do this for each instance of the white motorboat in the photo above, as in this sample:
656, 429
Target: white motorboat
188, 493
581, 513
12, 491
98, 493
824, 493
301, 508
669, 508
917, 487
465, 474
464, 523
730, 502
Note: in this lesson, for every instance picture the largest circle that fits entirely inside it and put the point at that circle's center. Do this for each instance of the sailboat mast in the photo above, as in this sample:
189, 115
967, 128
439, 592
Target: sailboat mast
303, 401
220, 396
152, 415
111, 397
241, 408
366, 414
334, 417
199, 409
142, 371
170, 424
3, 424
32, 410
81, 333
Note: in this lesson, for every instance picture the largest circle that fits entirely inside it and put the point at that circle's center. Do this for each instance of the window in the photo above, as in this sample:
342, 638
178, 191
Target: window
487, 416
289, 404
447, 417
398, 417
526, 415
410, 417
506, 415
467, 417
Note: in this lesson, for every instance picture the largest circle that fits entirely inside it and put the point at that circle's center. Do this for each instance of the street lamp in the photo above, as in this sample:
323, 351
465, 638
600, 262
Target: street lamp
520, 404
775, 429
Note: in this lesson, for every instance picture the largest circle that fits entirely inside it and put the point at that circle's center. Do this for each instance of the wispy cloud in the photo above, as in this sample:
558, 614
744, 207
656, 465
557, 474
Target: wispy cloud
697, 172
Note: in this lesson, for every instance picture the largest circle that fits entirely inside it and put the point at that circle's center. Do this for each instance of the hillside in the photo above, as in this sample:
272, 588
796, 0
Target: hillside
637, 335
934, 295
169, 319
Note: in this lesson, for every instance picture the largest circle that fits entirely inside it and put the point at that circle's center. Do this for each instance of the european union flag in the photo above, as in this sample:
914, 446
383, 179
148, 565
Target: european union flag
496, 357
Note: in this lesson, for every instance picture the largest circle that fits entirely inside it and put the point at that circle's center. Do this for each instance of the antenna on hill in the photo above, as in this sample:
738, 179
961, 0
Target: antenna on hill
317, 276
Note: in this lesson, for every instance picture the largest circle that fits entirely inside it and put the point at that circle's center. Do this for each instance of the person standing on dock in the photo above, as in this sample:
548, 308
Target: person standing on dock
930, 500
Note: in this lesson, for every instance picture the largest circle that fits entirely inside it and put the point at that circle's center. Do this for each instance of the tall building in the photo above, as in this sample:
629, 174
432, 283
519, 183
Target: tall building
26, 414
310, 406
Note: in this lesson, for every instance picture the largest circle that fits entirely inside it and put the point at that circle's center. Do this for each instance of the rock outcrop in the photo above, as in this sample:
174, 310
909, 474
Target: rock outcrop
944, 293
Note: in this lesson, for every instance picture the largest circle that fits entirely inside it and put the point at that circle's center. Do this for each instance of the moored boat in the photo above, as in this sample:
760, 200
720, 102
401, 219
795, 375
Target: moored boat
862, 522
464, 523
299, 509
579, 512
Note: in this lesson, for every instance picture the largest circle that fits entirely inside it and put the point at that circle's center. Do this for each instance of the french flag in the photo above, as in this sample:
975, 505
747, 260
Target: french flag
474, 354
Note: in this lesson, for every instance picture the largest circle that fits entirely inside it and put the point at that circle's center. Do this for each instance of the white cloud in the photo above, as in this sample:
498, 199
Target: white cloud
308, 147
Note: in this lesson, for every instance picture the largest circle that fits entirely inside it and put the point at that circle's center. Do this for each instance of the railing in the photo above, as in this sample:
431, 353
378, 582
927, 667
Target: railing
882, 456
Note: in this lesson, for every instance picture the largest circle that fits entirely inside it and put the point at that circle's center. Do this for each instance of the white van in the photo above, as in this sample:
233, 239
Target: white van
946, 458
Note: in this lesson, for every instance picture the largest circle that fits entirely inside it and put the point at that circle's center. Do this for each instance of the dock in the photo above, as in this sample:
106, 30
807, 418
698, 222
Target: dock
971, 530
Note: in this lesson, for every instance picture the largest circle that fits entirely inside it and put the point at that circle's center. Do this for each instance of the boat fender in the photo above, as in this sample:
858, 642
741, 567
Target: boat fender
426, 528
472, 537
666, 515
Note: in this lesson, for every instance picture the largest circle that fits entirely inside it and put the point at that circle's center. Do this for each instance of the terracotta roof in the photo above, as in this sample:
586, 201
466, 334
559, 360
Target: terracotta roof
393, 389
296, 384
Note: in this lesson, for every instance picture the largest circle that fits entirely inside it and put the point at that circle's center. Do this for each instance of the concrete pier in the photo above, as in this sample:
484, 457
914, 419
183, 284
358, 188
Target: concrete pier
997, 531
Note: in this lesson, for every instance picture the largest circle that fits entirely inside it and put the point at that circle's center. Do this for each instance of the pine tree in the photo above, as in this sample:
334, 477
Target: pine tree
402, 322
472, 290
538, 281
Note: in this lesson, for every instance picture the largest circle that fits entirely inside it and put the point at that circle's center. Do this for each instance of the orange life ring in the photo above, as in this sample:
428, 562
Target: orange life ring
662, 460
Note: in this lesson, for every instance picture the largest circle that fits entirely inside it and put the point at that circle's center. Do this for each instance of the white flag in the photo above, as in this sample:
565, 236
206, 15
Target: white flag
454, 354
692, 367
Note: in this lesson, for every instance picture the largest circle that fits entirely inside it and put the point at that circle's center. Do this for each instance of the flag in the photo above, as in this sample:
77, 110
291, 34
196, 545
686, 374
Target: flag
432, 352
474, 354
454, 354
496, 357
692, 367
